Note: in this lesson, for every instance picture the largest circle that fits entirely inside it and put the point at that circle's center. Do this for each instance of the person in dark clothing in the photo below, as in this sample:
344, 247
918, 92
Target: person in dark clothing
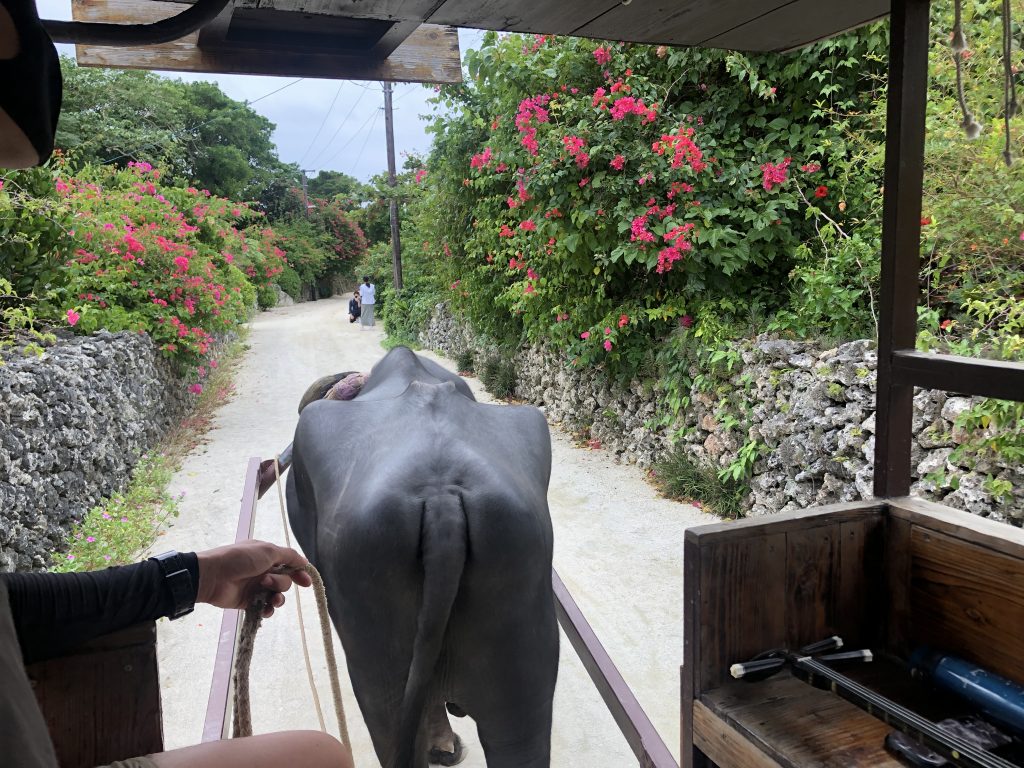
354, 310
48, 614
30, 86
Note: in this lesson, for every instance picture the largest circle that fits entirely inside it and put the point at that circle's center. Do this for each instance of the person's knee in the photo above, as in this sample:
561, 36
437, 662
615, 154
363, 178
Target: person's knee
321, 749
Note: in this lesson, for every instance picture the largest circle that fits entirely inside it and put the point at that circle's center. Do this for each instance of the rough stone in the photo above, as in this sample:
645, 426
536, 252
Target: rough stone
73, 423
811, 410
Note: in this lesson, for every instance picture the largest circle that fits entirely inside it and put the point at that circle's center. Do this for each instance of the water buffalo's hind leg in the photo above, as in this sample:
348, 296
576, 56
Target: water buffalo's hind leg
445, 745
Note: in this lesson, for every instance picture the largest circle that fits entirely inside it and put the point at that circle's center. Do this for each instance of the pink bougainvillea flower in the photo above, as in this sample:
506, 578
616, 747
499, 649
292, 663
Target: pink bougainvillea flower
181, 263
617, 162
529, 288
584, 182
195, 389
73, 317
420, 175
602, 55
810, 168
506, 231
607, 345
585, 335
531, 274
821, 191
607, 331
529, 225
775, 175
623, 320
946, 324
686, 321
90, 539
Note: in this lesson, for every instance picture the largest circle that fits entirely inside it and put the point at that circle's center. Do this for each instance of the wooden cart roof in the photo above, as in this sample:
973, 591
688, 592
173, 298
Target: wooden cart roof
753, 25
415, 40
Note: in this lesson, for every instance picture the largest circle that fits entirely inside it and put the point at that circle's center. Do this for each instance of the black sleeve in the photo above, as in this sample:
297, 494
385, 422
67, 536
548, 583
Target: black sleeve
57, 612
30, 82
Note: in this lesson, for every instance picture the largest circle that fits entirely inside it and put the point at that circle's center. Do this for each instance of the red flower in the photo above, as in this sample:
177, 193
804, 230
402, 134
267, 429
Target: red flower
686, 321
926, 220
623, 320
528, 225
821, 191
617, 162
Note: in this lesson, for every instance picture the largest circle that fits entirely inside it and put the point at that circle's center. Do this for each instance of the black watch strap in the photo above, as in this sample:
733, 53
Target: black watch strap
179, 583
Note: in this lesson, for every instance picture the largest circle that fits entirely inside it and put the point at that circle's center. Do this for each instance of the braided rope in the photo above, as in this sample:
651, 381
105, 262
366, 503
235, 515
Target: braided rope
247, 637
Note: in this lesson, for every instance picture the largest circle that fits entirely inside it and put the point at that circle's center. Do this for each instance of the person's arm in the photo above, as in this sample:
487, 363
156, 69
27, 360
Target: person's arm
56, 612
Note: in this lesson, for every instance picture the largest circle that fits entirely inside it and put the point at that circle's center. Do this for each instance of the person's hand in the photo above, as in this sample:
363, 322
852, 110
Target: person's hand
232, 576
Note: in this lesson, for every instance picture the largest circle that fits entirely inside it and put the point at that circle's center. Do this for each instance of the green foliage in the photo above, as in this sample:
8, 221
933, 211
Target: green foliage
465, 360
679, 476
498, 375
191, 129
124, 526
596, 204
34, 229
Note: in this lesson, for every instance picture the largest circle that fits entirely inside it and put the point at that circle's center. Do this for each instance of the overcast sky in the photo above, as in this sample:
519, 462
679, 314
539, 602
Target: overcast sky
352, 138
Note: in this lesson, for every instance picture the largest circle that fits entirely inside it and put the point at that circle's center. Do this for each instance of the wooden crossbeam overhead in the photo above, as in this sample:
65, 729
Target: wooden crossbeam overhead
281, 41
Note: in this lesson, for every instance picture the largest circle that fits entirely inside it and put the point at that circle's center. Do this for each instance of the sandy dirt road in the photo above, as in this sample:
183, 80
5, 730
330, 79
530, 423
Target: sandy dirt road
618, 547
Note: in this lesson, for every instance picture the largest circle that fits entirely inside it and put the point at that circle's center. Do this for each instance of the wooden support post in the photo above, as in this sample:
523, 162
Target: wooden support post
396, 240
901, 235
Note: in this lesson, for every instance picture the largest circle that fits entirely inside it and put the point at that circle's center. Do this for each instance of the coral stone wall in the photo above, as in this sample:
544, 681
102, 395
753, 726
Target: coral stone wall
72, 425
811, 410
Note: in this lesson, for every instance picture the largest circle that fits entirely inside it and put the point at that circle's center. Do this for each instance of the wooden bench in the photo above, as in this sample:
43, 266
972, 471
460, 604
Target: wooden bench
890, 576
102, 702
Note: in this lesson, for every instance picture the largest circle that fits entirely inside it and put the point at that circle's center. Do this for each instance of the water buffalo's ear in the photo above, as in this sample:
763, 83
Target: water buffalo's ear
320, 388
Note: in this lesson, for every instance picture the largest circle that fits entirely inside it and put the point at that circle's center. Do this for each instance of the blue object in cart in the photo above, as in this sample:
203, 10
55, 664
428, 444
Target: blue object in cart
999, 698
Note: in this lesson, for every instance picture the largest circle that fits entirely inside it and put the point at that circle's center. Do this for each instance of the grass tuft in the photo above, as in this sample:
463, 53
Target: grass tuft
679, 476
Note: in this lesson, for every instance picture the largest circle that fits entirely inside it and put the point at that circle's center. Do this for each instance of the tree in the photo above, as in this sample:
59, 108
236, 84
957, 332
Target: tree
193, 131
335, 185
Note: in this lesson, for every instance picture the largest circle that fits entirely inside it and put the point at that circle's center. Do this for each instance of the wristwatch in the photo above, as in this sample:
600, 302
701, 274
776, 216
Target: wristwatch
178, 581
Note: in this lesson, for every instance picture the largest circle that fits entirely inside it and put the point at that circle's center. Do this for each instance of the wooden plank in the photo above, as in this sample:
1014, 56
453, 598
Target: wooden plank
860, 589
968, 600
812, 566
689, 687
901, 239
743, 603
667, 20
897, 586
102, 702
430, 54
798, 23
561, 18
798, 725
827, 515
723, 744
217, 723
953, 373
979, 530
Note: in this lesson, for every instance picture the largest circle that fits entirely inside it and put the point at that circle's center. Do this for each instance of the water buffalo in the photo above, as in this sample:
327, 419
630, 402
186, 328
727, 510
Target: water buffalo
426, 513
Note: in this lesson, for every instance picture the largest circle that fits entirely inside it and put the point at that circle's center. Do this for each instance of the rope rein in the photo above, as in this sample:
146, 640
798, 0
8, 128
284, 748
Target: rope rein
251, 624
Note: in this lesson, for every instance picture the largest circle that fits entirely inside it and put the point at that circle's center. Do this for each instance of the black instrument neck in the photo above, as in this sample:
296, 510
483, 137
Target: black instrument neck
956, 750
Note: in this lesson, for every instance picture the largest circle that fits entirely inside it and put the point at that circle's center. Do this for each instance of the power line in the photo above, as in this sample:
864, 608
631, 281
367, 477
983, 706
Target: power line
322, 122
191, 128
371, 116
369, 133
338, 129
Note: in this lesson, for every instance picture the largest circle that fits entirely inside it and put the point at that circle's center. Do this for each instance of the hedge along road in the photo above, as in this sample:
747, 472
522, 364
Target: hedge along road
618, 547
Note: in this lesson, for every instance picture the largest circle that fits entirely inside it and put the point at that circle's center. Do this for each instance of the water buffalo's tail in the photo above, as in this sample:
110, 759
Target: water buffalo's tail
443, 542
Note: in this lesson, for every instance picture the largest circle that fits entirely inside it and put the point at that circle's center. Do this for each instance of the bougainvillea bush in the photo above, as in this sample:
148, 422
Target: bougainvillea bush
602, 195
135, 254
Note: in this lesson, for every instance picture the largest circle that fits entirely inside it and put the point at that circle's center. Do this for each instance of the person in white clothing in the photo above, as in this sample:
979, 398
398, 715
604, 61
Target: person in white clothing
367, 299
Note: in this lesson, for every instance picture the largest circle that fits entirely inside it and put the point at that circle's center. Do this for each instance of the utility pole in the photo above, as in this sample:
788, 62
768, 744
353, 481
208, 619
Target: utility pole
305, 199
396, 243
